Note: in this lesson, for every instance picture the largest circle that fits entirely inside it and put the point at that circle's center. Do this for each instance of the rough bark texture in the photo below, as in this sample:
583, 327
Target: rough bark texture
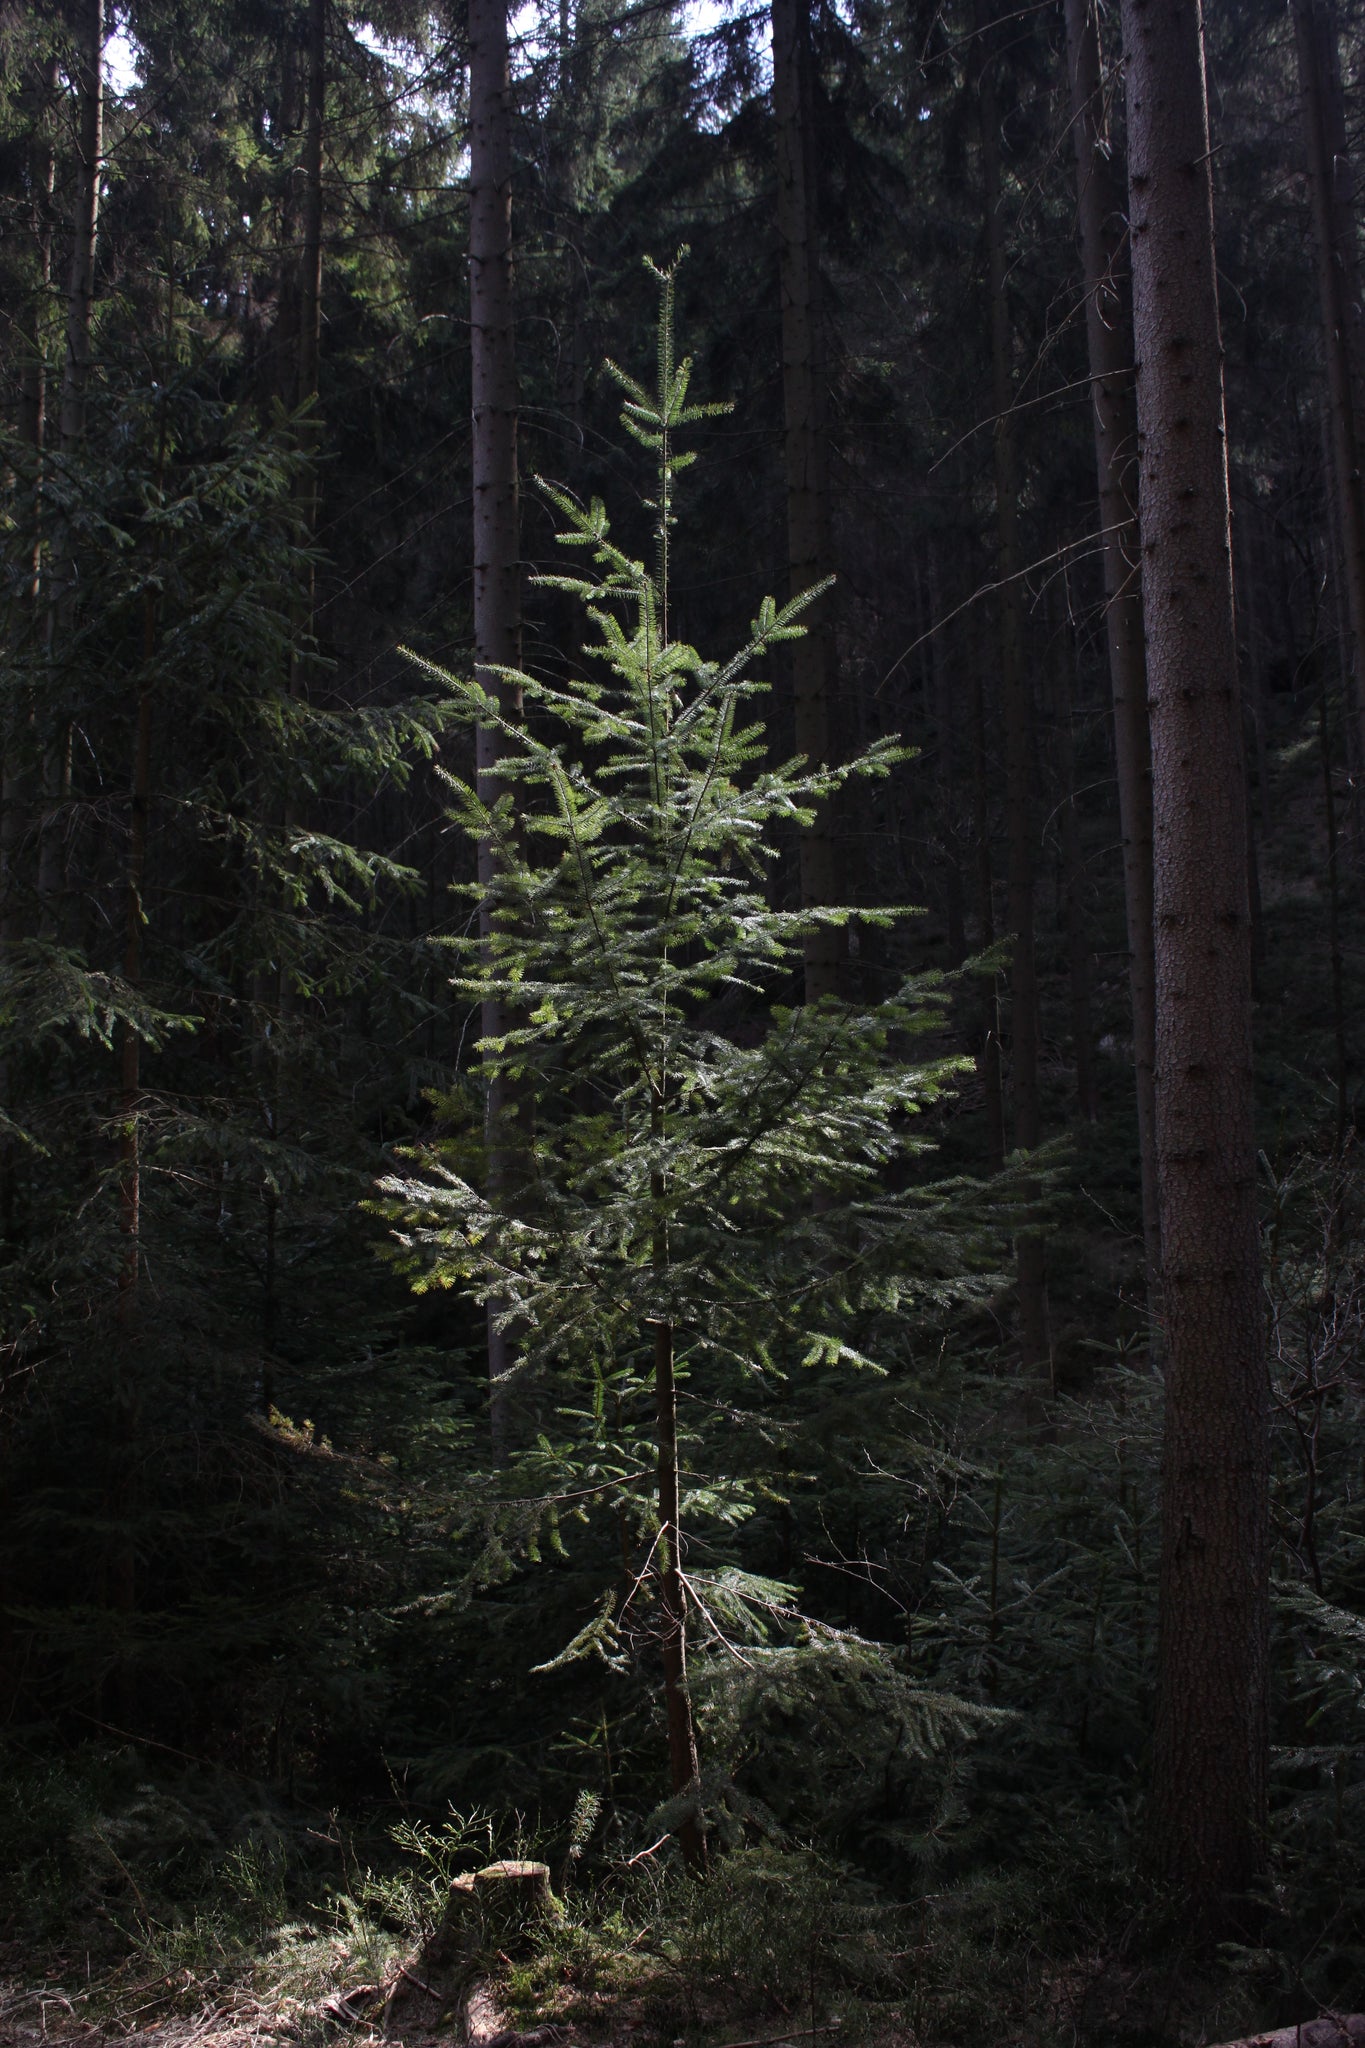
1109, 338
497, 571
1331, 185
1210, 1754
1018, 719
807, 460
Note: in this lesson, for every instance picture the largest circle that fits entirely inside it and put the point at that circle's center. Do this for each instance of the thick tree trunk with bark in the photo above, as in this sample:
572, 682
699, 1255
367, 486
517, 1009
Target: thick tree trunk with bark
1018, 718
1109, 337
1331, 185
497, 565
807, 461
1210, 1755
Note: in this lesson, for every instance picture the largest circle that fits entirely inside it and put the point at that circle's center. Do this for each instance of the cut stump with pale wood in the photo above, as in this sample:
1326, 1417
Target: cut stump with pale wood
1334, 2030
490, 1912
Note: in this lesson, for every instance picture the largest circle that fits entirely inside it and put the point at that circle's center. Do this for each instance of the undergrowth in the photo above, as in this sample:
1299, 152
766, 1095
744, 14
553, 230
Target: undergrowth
1063, 1941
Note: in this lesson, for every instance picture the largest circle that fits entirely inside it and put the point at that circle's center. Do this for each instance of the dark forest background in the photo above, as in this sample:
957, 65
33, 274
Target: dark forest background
265, 1592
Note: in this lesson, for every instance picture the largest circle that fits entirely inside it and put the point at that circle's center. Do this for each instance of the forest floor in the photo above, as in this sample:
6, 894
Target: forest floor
127, 2007
52, 2014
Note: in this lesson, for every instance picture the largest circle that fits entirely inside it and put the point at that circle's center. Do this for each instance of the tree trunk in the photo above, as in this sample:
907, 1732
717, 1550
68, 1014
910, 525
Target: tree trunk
298, 363
1331, 184
75, 388
1210, 1753
16, 782
949, 772
988, 1058
807, 462
310, 253
1108, 321
1073, 884
130, 1051
683, 1764
497, 567
1018, 719
1329, 797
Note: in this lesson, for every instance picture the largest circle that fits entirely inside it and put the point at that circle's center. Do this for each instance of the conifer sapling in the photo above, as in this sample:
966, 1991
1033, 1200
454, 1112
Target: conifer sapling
719, 1190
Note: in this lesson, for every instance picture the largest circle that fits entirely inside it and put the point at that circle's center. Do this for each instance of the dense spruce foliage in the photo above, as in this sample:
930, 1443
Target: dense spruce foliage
728, 1017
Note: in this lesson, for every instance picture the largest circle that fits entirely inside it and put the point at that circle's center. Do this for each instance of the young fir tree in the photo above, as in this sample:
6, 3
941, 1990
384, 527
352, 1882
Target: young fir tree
721, 1187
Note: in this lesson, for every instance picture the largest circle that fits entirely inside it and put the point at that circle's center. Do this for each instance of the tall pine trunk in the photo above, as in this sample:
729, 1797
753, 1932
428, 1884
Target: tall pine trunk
1210, 1755
1018, 718
1331, 186
807, 462
74, 393
497, 568
16, 774
1109, 338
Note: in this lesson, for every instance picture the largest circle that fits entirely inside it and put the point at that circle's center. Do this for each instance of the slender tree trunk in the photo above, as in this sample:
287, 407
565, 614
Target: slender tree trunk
683, 1764
1329, 797
1210, 1753
497, 565
1073, 886
299, 361
1018, 718
1331, 185
126, 1405
807, 460
130, 1055
988, 1058
949, 767
16, 777
1108, 324
74, 392
310, 253
1336, 583
1248, 613
1244, 583
121, 1551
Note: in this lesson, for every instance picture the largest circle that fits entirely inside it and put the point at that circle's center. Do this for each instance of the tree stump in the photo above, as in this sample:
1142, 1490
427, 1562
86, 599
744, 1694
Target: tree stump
1336, 2030
490, 1912
495, 1908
